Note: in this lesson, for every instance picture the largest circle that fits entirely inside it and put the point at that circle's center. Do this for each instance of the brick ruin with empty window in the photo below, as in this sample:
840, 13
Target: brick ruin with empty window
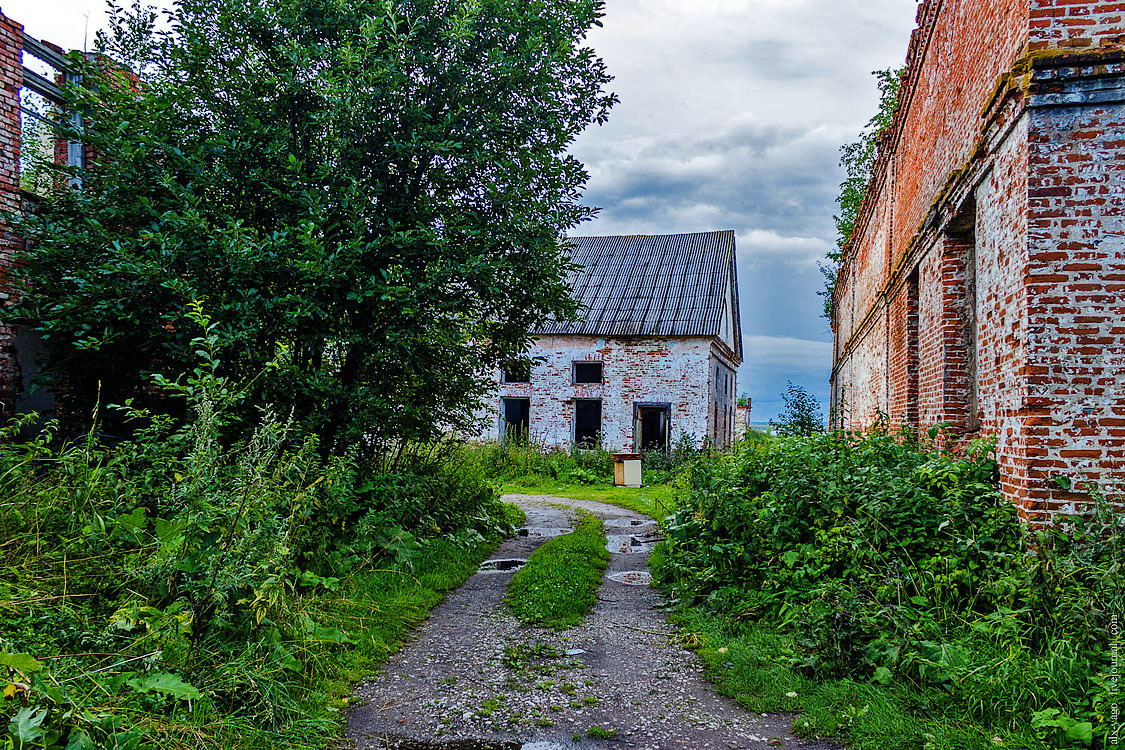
654, 355
984, 287
31, 73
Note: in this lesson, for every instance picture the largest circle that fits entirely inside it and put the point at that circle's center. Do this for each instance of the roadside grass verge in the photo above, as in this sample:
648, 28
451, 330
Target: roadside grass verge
880, 587
754, 665
376, 611
655, 501
559, 584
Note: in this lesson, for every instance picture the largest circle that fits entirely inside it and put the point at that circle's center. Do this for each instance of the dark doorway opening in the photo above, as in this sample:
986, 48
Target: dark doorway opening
517, 418
587, 421
652, 426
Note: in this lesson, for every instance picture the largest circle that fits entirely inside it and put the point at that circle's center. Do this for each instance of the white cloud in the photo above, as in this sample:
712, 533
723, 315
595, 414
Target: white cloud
787, 354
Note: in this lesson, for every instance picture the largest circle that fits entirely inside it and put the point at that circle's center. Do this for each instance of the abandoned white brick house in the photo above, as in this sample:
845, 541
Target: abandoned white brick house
655, 352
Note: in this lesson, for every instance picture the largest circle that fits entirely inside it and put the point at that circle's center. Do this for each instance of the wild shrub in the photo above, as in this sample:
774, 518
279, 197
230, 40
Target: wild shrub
174, 580
516, 458
889, 561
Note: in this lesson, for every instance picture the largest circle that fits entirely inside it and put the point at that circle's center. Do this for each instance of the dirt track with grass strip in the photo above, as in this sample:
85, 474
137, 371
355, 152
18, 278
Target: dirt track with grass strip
474, 677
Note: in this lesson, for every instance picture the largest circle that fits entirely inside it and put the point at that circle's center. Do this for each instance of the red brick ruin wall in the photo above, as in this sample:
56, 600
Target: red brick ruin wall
985, 285
11, 78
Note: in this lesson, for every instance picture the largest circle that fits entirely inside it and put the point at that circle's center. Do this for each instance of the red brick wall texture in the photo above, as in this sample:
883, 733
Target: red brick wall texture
984, 287
11, 78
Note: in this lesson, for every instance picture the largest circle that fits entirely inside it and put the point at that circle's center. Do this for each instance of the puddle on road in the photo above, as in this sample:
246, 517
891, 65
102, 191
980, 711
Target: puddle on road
626, 523
502, 566
629, 543
631, 577
537, 532
405, 743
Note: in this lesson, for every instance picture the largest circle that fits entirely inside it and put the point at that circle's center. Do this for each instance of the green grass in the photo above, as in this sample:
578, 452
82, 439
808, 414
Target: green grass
559, 584
376, 610
756, 666
654, 501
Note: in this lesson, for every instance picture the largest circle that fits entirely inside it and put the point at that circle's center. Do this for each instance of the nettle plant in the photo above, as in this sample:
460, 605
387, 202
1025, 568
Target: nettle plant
890, 560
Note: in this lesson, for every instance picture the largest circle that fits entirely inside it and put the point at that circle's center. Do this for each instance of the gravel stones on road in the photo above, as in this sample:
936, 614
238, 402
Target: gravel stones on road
474, 678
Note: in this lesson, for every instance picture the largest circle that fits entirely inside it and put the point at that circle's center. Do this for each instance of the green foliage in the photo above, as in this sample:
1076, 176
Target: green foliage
858, 160
559, 584
186, 585
662, 466
368, 195
896, 566
802, 416
514, 459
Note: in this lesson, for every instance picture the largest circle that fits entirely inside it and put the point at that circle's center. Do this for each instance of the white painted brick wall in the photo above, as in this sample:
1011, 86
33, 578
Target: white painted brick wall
679, 371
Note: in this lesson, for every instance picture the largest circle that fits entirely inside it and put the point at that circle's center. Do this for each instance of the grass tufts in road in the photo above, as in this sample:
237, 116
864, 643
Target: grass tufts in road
559, 584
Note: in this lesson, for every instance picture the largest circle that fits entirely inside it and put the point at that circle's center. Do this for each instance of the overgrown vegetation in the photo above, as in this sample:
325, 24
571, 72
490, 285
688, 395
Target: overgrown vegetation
885, 591
360, 205
188, 590
528, 463
559, 584
858, 160
368, 196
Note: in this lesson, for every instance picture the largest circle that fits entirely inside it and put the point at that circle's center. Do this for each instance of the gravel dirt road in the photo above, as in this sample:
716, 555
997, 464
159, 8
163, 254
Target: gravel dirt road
474, 678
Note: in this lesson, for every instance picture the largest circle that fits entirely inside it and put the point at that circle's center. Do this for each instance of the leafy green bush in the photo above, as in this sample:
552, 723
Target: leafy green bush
893, 562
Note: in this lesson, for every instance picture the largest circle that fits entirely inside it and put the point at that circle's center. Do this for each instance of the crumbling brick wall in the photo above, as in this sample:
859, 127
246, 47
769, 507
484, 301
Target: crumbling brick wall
649, 370
11, 79
983, 286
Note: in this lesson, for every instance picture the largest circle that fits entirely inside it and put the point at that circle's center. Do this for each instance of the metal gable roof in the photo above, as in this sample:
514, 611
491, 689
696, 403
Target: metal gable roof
658, 285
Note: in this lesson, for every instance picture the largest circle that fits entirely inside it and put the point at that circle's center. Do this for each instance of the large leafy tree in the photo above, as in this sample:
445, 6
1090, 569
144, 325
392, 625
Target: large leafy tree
366, 195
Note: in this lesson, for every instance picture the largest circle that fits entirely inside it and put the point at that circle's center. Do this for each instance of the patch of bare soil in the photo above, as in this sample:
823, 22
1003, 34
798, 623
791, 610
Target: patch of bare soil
474, 678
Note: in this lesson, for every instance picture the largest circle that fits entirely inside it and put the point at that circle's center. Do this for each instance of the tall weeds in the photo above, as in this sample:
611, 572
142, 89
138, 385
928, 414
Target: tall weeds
900, 564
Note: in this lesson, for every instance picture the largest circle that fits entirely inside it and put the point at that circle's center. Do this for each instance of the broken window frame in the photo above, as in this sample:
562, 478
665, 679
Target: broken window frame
49, 90
586, 364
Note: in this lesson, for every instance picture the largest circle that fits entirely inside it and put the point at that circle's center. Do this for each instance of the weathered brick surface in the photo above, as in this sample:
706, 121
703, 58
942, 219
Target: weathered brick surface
682, 372
984, 285
11, 78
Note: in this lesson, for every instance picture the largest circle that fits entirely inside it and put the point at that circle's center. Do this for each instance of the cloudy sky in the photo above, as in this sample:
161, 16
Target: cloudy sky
731, 117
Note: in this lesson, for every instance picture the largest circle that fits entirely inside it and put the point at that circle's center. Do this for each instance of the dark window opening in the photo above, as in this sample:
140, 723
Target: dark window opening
971, 342
518, 372
517, 418
652, 427
913, 356
587, 421
961, 241
587, 372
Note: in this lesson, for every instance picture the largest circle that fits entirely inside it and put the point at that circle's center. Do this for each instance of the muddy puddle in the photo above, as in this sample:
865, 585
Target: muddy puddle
627, 544
506, 565
629, 523
535, 532
404, 743
631, 577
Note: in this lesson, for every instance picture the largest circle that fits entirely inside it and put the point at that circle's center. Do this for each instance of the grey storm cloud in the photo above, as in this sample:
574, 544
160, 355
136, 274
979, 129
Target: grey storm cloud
775, 185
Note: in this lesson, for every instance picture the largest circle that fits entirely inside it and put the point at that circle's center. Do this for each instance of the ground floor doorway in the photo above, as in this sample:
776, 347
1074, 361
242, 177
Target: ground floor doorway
516, 414
652, 426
